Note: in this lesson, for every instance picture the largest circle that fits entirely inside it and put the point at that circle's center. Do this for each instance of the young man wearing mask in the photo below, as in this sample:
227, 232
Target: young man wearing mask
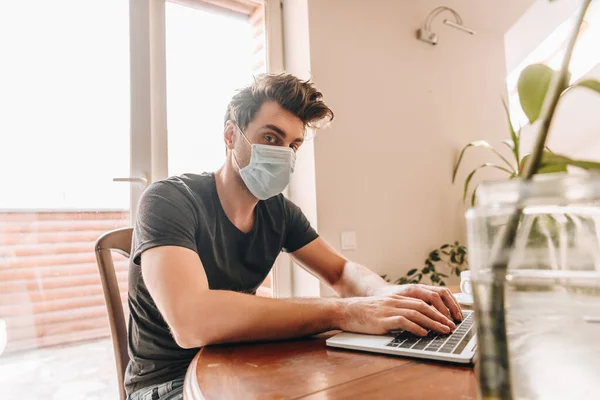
204, 243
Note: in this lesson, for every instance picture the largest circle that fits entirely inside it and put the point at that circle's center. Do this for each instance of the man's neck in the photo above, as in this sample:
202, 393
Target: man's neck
236, 200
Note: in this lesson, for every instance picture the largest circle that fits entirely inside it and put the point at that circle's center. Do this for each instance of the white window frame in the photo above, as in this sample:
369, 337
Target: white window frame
282, 271
149, 142
149, 152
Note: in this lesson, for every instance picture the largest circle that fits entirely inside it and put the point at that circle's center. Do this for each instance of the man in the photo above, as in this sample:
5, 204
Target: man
204, 243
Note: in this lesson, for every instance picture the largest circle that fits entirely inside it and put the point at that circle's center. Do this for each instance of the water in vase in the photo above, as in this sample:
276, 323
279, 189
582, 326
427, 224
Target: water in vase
553, 333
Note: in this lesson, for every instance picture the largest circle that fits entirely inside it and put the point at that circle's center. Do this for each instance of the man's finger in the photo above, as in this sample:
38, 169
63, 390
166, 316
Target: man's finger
435, 299
400, 322
427, 310
449, 301
424, 321
431, 297
433, 312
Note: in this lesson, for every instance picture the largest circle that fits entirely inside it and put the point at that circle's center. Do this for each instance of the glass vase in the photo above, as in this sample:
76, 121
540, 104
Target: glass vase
538, 320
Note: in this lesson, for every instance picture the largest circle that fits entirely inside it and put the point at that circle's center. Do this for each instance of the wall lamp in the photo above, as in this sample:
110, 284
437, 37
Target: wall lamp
426, 35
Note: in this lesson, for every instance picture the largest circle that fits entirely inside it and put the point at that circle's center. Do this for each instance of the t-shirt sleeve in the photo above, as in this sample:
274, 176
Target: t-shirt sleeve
299, 232
166, 217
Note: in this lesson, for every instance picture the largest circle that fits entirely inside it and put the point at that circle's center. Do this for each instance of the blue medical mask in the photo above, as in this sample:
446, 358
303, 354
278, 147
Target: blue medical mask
269, 170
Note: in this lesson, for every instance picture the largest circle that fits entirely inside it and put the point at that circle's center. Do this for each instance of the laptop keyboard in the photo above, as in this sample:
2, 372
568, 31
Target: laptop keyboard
454, 342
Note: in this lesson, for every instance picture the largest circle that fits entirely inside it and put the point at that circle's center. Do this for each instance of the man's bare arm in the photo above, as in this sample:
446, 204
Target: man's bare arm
349, 279
199, 316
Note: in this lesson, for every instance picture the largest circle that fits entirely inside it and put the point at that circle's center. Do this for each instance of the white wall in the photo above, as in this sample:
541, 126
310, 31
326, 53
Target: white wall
403, 110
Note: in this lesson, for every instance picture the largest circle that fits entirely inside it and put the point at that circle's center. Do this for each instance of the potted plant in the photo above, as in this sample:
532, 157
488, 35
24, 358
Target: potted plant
540, 90
452, 257
532, 86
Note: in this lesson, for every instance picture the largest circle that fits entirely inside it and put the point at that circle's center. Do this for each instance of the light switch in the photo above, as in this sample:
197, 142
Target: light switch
348, 240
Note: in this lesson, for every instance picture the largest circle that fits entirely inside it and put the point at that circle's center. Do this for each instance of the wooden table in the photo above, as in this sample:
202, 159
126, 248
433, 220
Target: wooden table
307, 369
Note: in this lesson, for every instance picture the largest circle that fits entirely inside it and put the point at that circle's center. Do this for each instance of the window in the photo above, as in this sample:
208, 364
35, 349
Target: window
202, 75
551, 52
69, 114
65, 111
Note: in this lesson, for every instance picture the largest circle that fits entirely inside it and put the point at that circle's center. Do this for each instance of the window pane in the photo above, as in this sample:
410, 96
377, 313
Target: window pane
209, 56
551, 52
64, 134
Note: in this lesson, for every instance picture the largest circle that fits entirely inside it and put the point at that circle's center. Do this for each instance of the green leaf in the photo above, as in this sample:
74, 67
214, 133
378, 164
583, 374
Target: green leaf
532, 86
514, 139
470, 176
546, 165
557, 159
445, 246
434, 256
411, 272
552, 162
587, 83
585, 164
457, 272
474, 196
426, 270
510, 143
442, 283
478, 143
552, 168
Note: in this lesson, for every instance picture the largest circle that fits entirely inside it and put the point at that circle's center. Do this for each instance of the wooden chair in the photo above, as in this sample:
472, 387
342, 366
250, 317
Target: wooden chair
118, 240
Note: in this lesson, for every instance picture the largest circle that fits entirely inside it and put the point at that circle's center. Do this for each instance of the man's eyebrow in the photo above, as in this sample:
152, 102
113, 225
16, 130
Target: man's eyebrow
280, 132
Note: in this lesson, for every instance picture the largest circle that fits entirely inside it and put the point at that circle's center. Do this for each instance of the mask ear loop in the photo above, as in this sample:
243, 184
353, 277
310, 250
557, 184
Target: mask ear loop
233, 152
243, 134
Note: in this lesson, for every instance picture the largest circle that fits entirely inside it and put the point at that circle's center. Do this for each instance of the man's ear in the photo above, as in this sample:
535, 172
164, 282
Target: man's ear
228, 134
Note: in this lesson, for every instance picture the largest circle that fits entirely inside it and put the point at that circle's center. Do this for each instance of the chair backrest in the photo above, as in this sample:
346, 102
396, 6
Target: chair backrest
119, 241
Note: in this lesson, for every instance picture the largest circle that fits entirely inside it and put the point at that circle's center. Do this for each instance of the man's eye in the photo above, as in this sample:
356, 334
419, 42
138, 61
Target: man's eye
270, 139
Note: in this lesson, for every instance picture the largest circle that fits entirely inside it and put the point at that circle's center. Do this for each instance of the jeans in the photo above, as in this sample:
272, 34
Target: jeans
172, 390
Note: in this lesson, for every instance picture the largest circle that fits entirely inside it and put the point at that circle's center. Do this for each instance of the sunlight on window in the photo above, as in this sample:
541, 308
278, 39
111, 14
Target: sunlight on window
551, 52
65, 104
209, 56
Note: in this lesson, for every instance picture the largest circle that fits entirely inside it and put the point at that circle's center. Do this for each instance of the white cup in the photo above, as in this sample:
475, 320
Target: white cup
465, 282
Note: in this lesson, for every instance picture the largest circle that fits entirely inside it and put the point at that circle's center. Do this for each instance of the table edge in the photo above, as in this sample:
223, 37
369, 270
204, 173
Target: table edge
191, 389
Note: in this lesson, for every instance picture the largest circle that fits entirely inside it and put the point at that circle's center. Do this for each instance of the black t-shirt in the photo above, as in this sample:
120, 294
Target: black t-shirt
186, 211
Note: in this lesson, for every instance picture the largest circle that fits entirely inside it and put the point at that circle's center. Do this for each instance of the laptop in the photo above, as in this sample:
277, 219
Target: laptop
458, 347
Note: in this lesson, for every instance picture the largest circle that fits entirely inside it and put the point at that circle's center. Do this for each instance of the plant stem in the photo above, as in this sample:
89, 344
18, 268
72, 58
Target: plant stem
494, 368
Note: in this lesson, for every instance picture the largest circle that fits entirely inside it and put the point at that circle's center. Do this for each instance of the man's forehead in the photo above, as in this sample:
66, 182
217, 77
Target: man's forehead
272, 116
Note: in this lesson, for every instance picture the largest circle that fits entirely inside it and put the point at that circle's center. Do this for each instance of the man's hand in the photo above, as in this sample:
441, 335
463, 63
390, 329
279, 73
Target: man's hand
439, 297
380, 315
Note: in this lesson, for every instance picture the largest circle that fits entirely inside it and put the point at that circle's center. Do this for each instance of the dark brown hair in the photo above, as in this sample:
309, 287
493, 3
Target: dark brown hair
298, 97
